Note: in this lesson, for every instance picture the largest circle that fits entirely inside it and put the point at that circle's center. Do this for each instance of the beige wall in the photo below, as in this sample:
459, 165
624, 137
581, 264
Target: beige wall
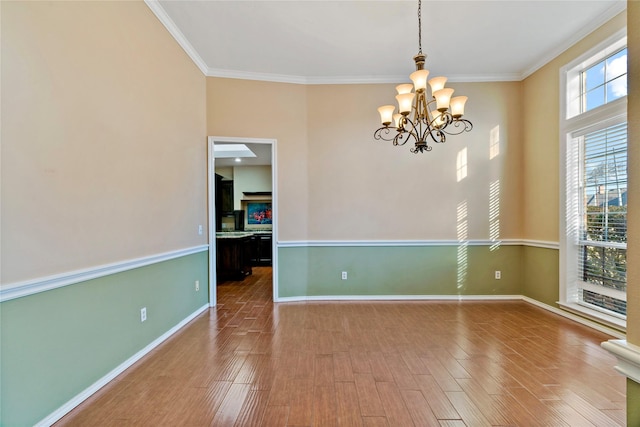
541, 121
281, 115
365, 189
250, 179
103, 138
336, 182
225, 171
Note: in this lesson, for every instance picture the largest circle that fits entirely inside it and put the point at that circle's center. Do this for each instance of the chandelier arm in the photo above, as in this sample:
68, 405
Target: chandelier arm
410, 131
458, 126
400, 137
436, 135
380, 134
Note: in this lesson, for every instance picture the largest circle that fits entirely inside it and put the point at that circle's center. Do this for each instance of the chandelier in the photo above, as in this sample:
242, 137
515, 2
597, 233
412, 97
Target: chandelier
422, 117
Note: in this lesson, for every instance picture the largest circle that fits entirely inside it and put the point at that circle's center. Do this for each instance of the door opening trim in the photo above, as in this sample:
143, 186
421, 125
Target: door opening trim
212, 140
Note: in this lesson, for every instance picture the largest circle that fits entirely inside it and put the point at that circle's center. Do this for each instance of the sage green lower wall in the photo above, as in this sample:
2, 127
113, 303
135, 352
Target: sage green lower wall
633, 403
541, 274
57, 343
399, 270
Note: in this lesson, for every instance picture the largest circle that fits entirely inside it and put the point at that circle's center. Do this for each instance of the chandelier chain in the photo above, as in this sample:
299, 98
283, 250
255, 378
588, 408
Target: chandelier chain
420, 26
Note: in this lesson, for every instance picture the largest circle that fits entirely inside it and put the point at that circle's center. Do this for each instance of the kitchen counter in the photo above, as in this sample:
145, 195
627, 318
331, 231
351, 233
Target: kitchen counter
240, 234
259, 231
233, 234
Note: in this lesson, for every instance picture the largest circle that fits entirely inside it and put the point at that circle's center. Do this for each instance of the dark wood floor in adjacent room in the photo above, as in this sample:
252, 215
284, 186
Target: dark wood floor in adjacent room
252, 362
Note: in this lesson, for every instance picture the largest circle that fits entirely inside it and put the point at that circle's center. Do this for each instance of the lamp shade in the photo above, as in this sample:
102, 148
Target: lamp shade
419, 79
404, 88
397, 119
438, 119
386, 114
443, 96
404, 102
457, 106
437, 83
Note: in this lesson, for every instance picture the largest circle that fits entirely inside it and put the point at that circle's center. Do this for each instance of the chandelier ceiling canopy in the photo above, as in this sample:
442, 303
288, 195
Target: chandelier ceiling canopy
423, 115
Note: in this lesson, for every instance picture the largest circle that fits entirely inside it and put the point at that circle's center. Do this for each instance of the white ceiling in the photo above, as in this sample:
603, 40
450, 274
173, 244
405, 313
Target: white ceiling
374, 41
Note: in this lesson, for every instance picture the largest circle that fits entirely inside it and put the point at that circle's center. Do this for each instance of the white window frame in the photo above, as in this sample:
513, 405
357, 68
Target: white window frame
573, 123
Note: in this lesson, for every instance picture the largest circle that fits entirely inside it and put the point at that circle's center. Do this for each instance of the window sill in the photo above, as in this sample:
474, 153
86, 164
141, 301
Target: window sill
595, 315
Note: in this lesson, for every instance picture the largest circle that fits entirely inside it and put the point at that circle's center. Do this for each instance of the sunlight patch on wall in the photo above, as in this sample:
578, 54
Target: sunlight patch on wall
494, 142
462, 233
494, 214
461, 164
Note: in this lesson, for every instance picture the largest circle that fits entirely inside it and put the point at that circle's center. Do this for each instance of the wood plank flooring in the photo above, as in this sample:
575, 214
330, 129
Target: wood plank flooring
251, 362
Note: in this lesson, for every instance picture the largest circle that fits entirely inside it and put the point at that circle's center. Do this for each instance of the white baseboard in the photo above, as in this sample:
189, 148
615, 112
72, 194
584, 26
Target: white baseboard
400, 298
582, 320
84, 395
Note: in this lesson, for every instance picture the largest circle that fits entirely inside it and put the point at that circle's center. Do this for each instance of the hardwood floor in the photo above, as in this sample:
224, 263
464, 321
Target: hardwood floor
251, 362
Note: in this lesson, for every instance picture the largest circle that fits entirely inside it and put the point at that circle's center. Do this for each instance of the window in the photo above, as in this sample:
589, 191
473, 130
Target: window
594, 131
605, 81
602, 262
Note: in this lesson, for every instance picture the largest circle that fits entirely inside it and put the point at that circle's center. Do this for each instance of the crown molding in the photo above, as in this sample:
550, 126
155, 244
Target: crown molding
173, 29
250, 75
345, 80
175, 32
615, 9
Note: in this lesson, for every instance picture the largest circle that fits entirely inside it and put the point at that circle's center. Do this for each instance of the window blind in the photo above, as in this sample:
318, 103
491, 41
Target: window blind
602, 262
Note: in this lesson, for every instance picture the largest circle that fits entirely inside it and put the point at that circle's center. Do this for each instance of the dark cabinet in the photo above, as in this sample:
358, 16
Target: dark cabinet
261, 249
233, 257
226, 196
224, 199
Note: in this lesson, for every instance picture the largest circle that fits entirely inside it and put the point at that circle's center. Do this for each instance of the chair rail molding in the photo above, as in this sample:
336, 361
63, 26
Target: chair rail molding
628, 356
41, 284
390, 243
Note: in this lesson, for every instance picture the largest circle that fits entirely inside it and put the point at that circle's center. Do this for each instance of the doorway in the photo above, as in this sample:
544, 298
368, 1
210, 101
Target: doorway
260, 144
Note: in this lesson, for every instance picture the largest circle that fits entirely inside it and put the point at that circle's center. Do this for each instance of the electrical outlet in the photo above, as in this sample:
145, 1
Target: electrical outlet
143, 314
200, 229
498, 275
197, 285
344, 275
